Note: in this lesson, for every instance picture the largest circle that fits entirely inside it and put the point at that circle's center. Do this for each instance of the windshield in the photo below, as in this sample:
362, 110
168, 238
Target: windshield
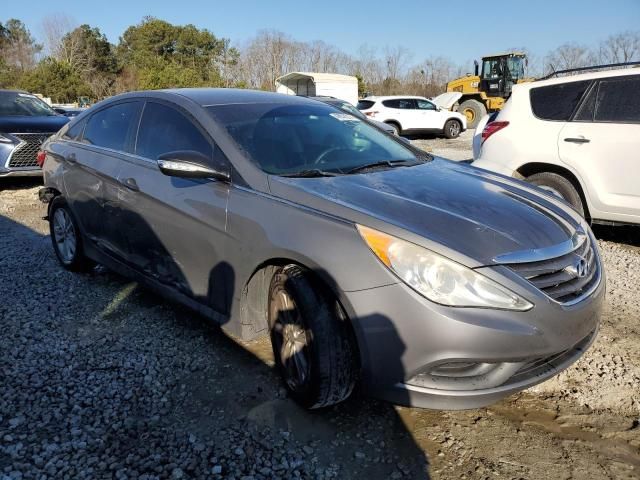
23, 104
288, 139
495, 67
347, 107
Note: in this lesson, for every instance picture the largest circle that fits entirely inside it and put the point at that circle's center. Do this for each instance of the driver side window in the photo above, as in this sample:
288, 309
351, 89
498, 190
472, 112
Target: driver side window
424, 105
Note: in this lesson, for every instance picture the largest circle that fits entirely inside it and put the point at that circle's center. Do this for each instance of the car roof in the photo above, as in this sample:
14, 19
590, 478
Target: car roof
224, 96
206, 97
579, 77
393, 97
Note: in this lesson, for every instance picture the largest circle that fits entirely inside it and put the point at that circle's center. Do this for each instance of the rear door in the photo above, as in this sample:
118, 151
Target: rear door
176, 227
92, 160
602, 143
402, 110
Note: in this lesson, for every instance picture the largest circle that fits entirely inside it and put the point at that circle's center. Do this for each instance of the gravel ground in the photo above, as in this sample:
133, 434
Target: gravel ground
455, 149
102, 379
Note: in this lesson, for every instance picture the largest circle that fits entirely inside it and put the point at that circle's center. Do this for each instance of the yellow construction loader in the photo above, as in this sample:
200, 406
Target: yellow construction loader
488, 89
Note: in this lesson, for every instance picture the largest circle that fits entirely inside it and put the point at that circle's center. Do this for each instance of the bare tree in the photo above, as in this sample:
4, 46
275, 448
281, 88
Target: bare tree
620, 48
396, 59
54, 28
567, 56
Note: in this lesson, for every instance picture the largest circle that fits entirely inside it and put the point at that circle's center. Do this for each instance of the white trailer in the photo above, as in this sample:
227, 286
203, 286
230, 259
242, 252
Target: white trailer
314, 84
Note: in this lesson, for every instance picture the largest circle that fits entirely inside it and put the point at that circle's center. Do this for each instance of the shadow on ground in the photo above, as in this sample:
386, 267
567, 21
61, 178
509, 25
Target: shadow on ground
197, 381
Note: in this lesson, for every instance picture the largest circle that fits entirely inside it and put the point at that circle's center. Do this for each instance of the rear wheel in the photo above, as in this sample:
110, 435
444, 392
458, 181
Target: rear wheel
312, 341
473, 110
452, 128
559, 186
65, 237
395, 126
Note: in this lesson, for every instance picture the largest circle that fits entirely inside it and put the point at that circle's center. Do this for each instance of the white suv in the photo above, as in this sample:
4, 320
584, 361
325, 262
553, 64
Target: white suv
578, 137
407, 114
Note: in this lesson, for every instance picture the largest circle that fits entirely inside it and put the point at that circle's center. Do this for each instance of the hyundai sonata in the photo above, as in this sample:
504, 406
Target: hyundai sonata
366, 260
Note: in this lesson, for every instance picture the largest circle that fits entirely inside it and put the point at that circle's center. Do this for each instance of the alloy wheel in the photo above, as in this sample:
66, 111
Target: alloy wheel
64, 235
291, 341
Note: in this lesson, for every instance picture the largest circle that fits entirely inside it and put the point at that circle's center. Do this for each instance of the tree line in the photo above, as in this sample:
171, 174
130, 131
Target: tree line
79, 61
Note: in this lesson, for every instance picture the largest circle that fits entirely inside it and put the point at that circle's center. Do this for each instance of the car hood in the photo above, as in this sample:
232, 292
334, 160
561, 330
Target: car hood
444, 206
17, 124
446, 100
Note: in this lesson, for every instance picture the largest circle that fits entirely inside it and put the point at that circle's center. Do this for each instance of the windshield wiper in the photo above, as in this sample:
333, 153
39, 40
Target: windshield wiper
384, 163
310, 174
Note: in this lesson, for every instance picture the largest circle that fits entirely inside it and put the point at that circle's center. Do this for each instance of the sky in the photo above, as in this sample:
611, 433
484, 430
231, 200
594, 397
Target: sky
460, 31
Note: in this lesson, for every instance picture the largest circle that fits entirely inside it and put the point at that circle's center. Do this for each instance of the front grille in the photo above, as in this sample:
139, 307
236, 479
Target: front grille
567, 278
24, 155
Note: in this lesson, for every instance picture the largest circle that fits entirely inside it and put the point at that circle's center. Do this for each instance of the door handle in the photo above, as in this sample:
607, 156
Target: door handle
577, 140
71, 158
131, 184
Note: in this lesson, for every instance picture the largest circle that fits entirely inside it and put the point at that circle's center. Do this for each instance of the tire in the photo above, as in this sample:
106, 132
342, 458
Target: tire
452, 128
395, 126
473, 110
65, 237
312, 342
560, 186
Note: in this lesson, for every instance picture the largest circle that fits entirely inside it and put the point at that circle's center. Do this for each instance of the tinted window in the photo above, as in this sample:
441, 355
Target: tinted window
365, 104
588, 107
424, 105
286, 139
111, 127
16, 104
618, 100
74, 131
400, 103
163, 129
557, 102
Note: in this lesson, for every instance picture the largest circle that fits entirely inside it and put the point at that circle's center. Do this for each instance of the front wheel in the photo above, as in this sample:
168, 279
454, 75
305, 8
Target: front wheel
312, 342
452, 128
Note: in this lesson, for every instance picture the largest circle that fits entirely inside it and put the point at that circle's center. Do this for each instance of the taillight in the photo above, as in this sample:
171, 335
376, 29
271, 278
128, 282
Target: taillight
40, 158
492, 128
370, 113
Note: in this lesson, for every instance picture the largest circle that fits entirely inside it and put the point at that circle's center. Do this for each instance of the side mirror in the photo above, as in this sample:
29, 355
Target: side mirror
190, 164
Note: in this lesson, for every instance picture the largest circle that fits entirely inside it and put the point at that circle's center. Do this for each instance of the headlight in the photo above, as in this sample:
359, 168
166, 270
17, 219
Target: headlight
5, 139
437, 278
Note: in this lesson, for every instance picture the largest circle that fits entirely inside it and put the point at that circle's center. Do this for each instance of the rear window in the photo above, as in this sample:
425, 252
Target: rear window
400, 103
618, 100
365, 104
557, 102
75, 131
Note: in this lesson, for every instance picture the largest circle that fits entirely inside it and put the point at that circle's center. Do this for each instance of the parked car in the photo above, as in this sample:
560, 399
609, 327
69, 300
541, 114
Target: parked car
347, 107
25, 122
577, 137
409, 115
435, 284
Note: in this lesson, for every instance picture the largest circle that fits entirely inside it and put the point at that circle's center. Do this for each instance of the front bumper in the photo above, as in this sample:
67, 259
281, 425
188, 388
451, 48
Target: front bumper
22, 172
403, 338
